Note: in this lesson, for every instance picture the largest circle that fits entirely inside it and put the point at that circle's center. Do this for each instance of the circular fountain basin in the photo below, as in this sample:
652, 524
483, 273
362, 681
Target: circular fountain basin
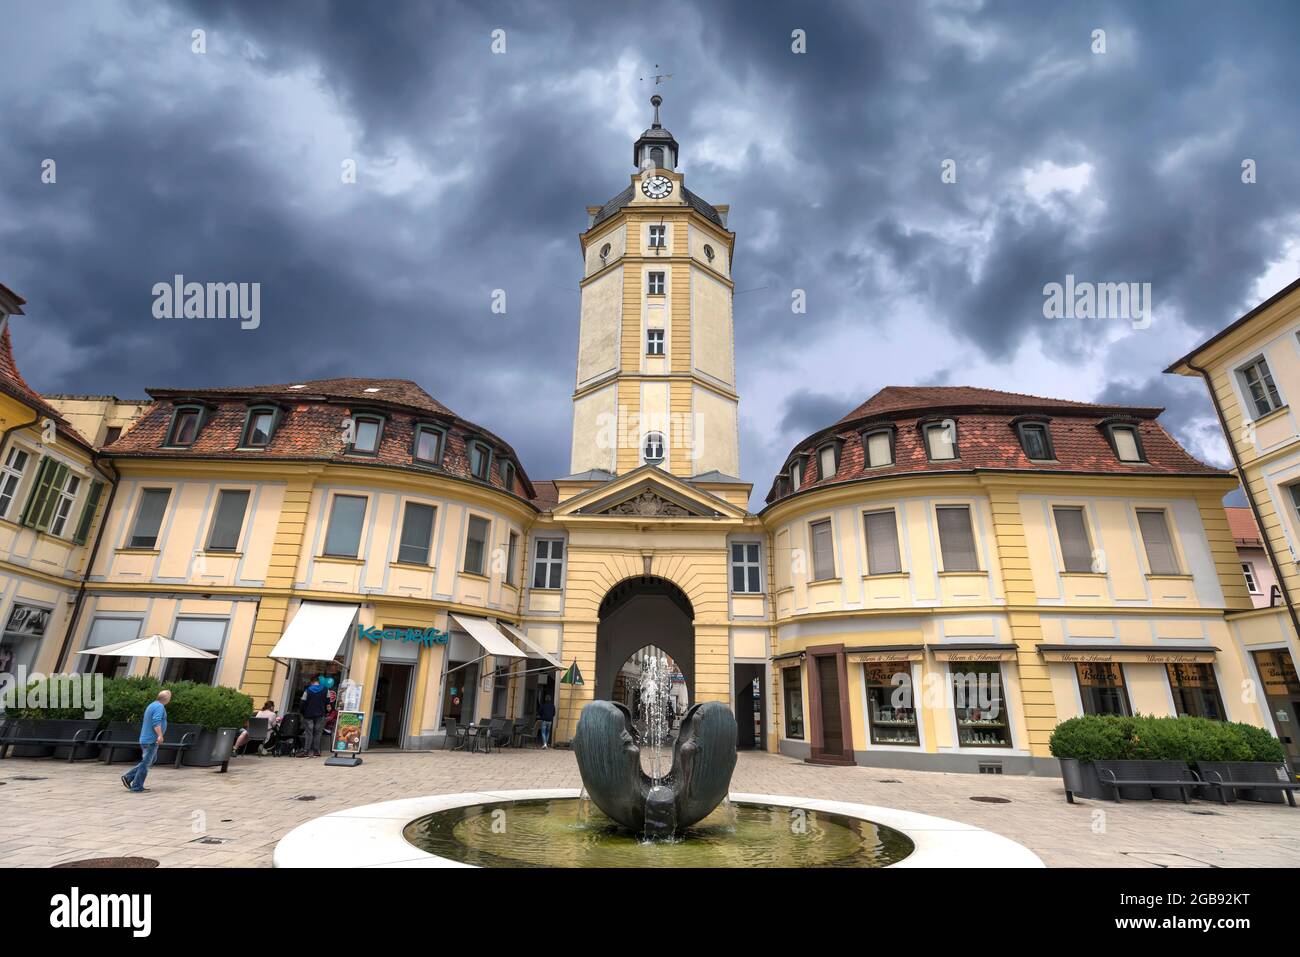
550, 828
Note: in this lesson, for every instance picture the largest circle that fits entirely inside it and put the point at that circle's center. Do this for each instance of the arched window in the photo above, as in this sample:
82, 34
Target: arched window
653, 448
657, 154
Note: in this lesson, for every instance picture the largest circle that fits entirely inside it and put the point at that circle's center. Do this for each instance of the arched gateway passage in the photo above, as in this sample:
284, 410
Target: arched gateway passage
641, 612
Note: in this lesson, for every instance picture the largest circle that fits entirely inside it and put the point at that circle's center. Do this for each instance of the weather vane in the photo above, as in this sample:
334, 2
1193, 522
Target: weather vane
658, 77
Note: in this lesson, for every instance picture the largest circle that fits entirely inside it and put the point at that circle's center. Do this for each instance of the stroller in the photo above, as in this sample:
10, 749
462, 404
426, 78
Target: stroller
284, 736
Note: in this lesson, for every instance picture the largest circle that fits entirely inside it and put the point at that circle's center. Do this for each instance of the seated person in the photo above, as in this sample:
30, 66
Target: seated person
267, 711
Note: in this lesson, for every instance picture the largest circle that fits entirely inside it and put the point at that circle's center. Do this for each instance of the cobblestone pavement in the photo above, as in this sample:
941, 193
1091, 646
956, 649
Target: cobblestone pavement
76, 811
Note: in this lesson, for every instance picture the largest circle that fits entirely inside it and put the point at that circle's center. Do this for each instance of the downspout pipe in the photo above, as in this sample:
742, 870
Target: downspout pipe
80, 601
1250, 498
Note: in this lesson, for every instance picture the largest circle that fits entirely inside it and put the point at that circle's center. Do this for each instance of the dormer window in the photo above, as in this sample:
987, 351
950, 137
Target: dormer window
796, 475
1124, 440
941, 440
508, 476
878, 448
1036, 440
828, 460
258, 428
653, 448
480, 460
367, 430
186, 422
428, 445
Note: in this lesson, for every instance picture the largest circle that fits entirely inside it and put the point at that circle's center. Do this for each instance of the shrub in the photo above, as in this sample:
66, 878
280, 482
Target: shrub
126, 698
1146, 737
45, 689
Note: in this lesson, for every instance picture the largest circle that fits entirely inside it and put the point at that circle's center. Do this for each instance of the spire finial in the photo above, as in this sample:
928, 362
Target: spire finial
655, 101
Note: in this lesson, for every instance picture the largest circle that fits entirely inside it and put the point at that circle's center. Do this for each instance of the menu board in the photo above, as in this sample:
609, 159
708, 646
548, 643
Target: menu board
347, 732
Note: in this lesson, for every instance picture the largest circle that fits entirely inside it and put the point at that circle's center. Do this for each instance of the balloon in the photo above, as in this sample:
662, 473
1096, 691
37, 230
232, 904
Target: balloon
329, 682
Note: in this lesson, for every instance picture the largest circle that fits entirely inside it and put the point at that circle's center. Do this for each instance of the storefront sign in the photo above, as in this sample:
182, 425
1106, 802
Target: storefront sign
867, 657
428, 637
1120, 656
347, 732
957, 654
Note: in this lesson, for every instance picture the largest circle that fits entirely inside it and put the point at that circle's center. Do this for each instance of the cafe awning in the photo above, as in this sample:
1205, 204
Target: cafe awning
533, 650
489, 638
869, 655
974, 652
316, 632
1130, 654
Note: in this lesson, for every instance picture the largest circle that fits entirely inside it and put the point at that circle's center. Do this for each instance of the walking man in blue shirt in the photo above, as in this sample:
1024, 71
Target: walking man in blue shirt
152, 730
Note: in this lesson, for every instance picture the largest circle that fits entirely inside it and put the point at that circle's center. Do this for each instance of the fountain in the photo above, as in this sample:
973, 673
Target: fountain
659, 804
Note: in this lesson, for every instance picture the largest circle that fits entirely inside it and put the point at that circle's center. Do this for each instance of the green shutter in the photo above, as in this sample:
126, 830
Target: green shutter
42, 517
88, 513
40, 490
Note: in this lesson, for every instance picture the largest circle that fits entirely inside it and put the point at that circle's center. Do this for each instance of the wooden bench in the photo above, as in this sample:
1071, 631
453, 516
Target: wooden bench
1156, 774
44, 733
1250, 776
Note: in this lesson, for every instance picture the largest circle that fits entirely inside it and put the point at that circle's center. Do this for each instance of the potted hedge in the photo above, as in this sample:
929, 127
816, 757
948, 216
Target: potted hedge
1260, 754
215, 709
47, 721
1077, 742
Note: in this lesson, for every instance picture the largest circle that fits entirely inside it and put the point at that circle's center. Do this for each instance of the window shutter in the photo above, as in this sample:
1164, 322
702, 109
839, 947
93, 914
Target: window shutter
823, 551
882, 543
957, 539
40, 507
1075, 551
88, 513
1159, 544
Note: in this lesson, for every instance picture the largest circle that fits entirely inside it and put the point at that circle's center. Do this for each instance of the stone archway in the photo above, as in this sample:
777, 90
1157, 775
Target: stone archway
641, 611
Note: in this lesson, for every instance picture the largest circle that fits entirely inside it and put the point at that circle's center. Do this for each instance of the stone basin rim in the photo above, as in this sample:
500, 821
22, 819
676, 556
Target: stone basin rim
373, 833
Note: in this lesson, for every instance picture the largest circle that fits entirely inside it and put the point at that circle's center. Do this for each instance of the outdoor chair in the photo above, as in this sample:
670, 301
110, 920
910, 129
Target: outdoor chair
288, 733
259, 729
501, 731
527, 731
453, 735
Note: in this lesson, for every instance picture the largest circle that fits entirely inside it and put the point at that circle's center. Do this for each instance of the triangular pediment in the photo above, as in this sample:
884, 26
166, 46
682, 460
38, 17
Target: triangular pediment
648, 493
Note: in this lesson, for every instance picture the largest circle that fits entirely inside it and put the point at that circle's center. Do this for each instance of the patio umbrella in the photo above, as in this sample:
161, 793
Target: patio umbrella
153, 646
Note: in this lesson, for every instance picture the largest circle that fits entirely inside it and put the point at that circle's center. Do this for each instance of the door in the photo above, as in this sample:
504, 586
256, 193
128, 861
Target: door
750, 707
1286, 715
392, 689
828, 683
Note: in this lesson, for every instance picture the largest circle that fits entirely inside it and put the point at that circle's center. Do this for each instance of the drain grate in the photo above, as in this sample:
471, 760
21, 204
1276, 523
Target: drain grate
25, 777
1207, 813
305, 797
111, 862
212, 840
991, 800
889, 781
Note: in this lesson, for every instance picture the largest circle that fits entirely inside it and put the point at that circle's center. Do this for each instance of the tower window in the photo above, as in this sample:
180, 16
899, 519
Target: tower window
657, 156
604, 252
654, 342
653, 448
655, 284
658, 237
708, 252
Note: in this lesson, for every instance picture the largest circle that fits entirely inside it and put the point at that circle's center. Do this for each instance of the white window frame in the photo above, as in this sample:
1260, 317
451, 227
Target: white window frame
67, 495
650, 284
484, 566
549, 561
655, 341
973, 515
1268, 383
657, 438
746, 564
651, 229
829, 522
13, 473
1252, 583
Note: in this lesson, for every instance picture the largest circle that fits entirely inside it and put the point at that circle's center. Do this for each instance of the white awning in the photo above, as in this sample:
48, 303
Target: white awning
317, 631
492, 641
534, 651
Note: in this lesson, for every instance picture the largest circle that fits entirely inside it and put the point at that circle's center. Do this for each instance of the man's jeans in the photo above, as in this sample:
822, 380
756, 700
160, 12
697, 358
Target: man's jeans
138, 773
312, 728
546, 733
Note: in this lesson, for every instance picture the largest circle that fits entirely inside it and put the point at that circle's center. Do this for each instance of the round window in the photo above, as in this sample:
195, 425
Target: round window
708, 252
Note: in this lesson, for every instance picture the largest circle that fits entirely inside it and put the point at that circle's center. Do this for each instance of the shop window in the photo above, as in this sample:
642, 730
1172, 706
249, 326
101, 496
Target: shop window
23, 631
980, 706
1159, 543
148, 518
228, 520
548, 563
104, 632
745, 579
417, 533
206, 634
956, 538
1196, 692
12, 474
890, 708
1281, 684
476, 544
792, 702
347, 518
823, 551
882, 543
1101, 688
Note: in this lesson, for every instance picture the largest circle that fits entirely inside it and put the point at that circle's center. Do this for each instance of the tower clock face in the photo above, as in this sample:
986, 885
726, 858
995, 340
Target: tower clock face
657, 187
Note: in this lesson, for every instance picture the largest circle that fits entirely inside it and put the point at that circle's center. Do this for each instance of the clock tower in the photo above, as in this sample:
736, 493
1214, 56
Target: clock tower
656, 382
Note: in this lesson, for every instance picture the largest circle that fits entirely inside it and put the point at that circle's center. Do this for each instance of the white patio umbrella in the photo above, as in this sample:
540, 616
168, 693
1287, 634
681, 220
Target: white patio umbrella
153, 646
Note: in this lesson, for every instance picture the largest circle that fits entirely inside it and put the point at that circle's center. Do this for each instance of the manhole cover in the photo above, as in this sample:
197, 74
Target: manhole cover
305, 797
111, 862
992, 800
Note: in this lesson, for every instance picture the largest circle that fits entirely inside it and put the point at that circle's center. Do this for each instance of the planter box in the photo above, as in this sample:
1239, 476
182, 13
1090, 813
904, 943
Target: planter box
213, 748
33, 726
1080, 779
1148, 769
1241, 773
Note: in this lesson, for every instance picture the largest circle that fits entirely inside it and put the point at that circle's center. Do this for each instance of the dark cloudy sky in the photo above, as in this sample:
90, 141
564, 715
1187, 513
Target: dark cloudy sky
474, 170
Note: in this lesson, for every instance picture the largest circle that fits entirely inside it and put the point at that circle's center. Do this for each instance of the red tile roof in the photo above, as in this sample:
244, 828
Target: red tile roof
311, 426
1242, 525
987, 438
